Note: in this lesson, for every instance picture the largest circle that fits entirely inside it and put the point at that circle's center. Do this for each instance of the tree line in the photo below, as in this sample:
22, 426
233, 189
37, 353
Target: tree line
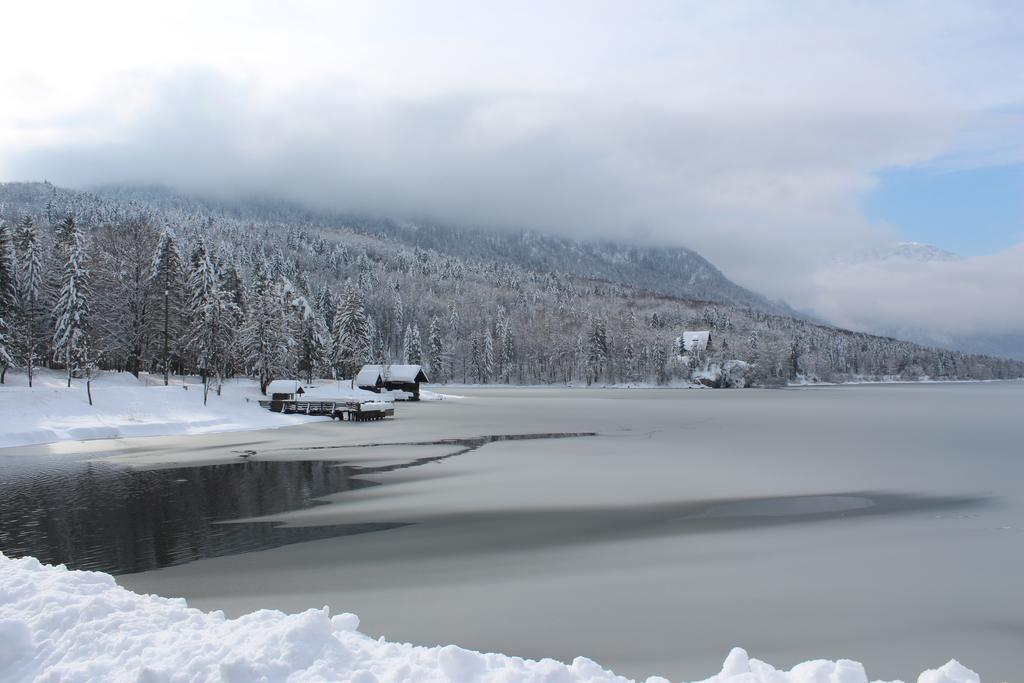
93, 283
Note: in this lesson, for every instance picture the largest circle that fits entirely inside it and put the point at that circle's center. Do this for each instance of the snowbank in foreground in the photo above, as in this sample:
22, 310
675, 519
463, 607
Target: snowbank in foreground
65, 625
125, 406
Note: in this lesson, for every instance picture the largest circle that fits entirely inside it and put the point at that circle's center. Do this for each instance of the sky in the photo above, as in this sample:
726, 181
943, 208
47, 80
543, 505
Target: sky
971, 212
776, 139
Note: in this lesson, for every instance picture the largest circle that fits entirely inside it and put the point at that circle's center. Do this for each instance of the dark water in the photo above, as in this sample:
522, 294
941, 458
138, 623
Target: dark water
91, 515
112, 518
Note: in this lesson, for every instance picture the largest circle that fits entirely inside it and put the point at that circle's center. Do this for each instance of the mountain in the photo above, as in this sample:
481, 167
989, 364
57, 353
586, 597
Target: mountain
671, 271
917, 252
666, 270
272, 290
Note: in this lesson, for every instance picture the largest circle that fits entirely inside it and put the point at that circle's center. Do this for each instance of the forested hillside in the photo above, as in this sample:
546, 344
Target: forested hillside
176, 286
671, 271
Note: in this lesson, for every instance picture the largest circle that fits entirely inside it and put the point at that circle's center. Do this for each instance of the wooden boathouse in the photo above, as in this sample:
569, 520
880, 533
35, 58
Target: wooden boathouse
405, 378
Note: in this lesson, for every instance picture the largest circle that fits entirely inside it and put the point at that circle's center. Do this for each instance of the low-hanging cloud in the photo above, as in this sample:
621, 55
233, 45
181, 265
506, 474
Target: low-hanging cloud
947, 303
755, 194
749, 133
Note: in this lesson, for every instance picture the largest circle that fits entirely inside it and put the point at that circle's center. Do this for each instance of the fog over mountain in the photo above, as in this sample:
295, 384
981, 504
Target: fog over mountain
931, 296
750, 134
906, 290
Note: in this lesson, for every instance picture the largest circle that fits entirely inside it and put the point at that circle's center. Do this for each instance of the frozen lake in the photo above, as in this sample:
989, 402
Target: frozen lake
878, 523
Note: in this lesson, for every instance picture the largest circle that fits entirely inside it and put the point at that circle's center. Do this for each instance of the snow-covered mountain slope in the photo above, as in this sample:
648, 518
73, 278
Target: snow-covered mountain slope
906, 251
666, 270
672, 271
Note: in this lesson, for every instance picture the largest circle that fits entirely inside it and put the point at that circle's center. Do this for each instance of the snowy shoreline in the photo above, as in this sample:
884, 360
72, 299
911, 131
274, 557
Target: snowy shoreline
127, 407
74, 625
124, 406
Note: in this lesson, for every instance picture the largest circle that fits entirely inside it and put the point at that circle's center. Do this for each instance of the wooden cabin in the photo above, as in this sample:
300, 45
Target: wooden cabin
281, 390
405, 378
370, 379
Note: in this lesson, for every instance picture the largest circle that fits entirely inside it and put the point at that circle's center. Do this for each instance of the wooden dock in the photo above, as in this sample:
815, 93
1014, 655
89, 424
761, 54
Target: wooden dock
353, 411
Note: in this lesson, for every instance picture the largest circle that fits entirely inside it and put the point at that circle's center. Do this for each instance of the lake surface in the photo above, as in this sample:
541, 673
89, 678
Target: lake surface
115, 518
879, 523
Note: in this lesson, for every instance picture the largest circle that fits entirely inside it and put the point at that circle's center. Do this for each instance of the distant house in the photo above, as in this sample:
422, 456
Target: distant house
695, 341
392, 377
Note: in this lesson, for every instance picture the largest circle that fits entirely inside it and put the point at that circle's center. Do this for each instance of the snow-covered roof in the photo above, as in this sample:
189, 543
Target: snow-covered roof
395, 373
339, 391
696, 340
369, 376
283, 386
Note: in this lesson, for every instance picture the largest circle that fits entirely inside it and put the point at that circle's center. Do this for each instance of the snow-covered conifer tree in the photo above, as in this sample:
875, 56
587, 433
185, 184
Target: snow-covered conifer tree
488, 355
8, 299
453, 319
264, 334
314, 343
629, 351
399, 313
324, 305
71, 312
435, 349
414, 346
500, 323
30, 333
406, 340
351, 334
200, 277
378, 354
168, 278
215, 316
508, 350
476, 359
597, 350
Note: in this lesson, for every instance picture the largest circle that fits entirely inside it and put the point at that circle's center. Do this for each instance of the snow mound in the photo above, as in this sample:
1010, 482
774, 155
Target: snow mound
65, 625
730, 374
329, 389
427, 395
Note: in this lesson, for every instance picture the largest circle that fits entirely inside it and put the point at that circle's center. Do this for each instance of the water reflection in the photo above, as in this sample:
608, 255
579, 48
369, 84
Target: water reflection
94, 515
112, 518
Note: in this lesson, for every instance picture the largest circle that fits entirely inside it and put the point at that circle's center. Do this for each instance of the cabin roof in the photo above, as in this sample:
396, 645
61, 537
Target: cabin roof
394, 373
334, 390
283, 386
696, 339
369, 376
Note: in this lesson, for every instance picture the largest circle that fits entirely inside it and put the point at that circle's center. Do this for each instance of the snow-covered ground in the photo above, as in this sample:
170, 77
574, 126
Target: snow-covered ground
65, 625
124, 406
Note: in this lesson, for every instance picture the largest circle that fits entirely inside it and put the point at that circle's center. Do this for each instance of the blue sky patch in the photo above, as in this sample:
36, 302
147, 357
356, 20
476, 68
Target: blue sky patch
971, 212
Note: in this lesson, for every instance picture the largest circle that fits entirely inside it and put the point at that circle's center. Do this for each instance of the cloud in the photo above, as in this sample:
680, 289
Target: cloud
747, 131
974, 302
757, 194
